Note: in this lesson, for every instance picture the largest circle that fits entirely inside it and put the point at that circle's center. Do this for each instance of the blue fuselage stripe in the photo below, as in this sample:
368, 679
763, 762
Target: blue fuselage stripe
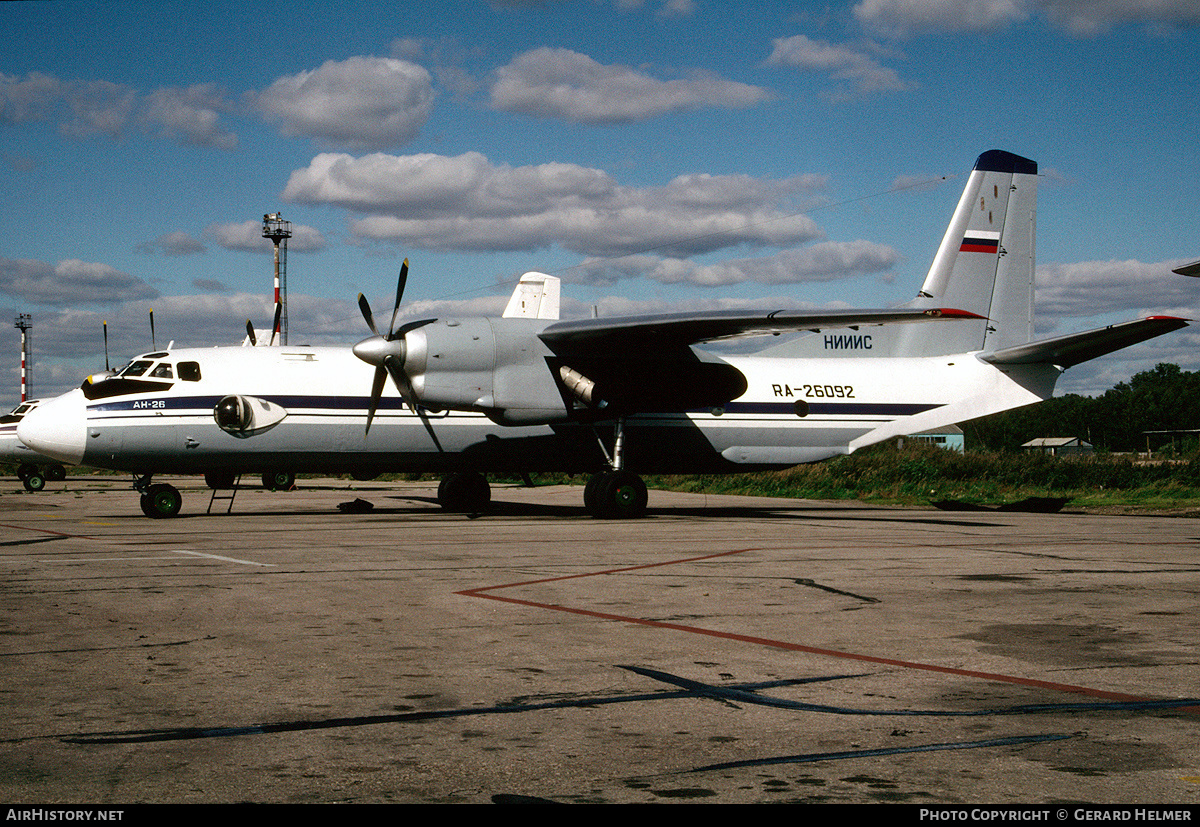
329, 405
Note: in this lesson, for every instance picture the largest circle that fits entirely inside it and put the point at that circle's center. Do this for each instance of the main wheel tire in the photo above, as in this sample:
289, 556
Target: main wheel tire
278, 480
161, 501
618, 495
465, 492
25, 469
590, 491
55, 473
33, 481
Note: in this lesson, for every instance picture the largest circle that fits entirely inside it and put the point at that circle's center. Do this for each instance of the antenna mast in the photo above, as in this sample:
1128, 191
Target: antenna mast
24, 323
279, 231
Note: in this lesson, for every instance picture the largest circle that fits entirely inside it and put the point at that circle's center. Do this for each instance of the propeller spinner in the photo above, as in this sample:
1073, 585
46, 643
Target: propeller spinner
386, 352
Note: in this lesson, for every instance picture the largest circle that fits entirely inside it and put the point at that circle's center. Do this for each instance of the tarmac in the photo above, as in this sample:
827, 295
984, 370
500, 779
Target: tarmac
722, 650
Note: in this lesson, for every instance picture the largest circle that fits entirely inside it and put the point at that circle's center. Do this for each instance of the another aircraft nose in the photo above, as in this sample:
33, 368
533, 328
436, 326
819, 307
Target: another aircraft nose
57, 428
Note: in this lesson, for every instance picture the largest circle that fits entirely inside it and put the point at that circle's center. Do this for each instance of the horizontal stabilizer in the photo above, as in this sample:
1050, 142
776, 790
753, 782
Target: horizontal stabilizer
1192, 269
1075, 348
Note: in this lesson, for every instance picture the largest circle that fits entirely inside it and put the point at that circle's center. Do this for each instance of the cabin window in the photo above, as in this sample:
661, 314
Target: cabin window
189, 371
163, 371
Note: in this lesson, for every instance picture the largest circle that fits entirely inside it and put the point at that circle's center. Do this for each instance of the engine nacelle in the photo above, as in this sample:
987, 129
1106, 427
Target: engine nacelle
501, 368
495, 366
246, 416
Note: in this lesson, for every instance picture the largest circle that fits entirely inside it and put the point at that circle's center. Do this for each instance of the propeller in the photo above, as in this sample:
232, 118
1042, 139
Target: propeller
274, 327
386, 352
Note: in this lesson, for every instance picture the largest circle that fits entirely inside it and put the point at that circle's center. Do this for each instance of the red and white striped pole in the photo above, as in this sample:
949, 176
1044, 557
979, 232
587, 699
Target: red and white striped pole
23, 322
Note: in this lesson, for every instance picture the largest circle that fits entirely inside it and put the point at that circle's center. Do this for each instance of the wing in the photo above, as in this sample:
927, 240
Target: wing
675, 331
644, 363
1075, 348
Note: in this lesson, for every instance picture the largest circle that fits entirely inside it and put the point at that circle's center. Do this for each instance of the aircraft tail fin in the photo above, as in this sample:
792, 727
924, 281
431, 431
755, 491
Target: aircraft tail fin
985, 263
536, 297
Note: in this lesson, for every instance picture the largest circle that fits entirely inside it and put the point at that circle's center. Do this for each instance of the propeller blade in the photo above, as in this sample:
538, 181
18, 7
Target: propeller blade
275, 329
389, 359
410, 397
106, 367
376, 393
250, 333
365, 307
407, 326
152, 344
403, 280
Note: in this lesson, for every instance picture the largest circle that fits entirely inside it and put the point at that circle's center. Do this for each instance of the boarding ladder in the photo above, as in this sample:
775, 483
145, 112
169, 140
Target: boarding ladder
218, 494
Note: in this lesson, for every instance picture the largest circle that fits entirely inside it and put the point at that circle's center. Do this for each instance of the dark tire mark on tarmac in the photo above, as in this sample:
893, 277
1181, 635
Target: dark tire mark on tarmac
745, 693
874, 753
741, 695
804, 581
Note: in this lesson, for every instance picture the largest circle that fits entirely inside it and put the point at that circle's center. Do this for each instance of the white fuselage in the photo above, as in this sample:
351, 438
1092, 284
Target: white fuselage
793, 411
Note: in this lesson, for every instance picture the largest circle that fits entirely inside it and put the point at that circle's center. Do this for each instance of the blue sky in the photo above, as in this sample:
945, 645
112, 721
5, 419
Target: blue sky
655, 155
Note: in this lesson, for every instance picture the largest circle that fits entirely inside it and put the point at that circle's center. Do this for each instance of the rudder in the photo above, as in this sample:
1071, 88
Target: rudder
985, 263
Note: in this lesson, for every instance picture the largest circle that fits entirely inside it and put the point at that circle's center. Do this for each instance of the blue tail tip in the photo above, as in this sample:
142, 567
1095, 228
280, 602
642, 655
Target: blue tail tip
997, 160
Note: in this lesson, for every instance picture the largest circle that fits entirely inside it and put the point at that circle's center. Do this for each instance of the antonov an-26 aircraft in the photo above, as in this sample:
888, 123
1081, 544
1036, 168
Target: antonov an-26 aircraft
614, 397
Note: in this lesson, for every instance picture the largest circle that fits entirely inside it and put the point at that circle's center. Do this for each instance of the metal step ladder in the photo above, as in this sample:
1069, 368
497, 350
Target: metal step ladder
218, 494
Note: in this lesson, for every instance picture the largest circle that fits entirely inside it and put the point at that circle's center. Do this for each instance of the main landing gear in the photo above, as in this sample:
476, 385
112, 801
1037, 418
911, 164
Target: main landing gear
465, 492
615, 494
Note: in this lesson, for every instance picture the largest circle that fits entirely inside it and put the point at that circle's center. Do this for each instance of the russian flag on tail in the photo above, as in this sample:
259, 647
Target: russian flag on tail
980, 241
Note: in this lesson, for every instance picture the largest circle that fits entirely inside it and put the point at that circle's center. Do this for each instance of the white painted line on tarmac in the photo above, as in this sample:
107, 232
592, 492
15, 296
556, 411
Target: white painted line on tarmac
226, 559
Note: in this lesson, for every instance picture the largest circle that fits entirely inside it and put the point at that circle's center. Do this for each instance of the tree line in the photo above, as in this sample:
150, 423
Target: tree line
1164, 398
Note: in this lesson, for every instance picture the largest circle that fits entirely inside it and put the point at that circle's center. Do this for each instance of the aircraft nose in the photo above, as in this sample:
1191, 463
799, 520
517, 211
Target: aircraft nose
57, 428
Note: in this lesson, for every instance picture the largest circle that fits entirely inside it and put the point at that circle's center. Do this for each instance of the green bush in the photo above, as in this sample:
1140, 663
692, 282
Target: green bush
919, 473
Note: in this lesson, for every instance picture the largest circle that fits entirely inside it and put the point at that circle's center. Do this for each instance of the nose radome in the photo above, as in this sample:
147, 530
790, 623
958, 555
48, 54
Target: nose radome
57, 428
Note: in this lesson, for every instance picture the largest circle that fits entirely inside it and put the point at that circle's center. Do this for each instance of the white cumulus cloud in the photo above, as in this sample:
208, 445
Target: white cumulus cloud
358, 103
467, 203
560, 83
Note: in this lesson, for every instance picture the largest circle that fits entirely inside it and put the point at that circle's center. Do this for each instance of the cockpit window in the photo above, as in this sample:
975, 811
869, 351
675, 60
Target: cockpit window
16, 413
189, 371
120, 386
135, 368
163, 371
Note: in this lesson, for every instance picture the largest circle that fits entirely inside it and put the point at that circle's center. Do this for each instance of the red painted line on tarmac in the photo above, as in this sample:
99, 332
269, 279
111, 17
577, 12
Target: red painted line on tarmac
48, 531
483, 592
